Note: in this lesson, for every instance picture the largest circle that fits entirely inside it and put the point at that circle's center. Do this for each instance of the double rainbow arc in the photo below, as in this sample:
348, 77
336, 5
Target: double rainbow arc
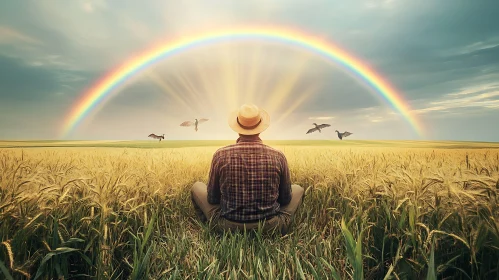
105, 86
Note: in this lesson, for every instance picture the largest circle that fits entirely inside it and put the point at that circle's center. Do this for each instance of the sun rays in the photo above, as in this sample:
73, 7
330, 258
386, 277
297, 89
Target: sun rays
221, 78
167, 88
252, 87
214, 80
302, 97
284, 87
230, 77
226, 79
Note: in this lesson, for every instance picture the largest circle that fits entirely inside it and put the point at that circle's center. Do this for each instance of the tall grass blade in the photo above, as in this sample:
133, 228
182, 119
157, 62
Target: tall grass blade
5, 271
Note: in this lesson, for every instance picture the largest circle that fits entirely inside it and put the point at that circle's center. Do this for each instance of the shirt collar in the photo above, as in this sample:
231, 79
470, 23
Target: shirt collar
249, 138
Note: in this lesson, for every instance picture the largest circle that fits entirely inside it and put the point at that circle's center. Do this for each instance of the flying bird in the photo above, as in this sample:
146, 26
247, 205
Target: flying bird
154, 136
317, 127
195, 123
344, 134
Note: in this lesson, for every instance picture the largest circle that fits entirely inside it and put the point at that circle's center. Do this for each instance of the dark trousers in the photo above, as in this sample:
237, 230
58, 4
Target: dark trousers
211, 212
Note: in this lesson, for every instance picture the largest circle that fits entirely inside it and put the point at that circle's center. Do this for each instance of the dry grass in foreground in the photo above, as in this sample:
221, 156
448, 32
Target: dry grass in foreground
369, 213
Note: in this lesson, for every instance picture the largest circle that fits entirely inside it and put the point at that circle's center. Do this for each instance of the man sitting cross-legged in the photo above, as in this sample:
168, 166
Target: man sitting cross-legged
249, 182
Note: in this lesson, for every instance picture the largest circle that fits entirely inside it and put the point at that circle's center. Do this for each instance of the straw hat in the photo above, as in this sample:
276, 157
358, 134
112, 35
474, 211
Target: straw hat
249, 120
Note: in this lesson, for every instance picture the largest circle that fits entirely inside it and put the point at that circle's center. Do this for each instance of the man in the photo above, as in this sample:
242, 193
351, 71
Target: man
249, 182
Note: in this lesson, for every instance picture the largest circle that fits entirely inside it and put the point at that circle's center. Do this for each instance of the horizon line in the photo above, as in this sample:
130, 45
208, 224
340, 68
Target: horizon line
234, 139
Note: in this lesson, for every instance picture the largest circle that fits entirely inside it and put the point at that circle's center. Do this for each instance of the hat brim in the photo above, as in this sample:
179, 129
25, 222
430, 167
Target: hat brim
264, 124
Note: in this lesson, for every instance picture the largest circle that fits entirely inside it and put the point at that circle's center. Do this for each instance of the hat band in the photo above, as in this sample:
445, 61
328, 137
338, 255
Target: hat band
248, 127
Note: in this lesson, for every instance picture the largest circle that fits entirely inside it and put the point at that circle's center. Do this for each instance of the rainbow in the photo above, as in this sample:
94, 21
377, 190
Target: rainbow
105, 86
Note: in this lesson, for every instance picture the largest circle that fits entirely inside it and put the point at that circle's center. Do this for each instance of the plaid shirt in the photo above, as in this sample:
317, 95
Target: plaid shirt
249, 180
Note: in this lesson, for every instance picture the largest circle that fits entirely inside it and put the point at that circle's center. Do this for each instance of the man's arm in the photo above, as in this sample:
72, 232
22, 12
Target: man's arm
213, 182
285, 184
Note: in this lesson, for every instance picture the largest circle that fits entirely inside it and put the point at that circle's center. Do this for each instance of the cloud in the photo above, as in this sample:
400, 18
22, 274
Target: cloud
485, 97
475, 90
51, 61
88, 7
376, 114
20, 81
380, 4
91, 6
9, 35
489, 43
321, 118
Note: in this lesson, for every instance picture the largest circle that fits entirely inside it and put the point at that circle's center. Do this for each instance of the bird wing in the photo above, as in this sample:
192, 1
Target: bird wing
202, 120
311, 130
324, 125
346, 133
187, 123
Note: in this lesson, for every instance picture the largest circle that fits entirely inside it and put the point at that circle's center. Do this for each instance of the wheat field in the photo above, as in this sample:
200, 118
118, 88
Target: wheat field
369, 212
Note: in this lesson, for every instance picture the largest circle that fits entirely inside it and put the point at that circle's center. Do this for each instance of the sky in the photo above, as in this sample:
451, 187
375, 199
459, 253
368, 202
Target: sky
442, 57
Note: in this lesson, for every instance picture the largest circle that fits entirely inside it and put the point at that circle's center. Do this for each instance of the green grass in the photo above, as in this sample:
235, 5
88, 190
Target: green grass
370, 212
145, 144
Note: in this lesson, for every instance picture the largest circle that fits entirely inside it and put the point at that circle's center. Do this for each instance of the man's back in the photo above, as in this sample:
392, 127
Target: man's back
249, 180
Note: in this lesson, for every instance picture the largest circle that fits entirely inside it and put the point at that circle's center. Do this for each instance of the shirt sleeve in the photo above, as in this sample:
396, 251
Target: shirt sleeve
213, 182
285, 184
